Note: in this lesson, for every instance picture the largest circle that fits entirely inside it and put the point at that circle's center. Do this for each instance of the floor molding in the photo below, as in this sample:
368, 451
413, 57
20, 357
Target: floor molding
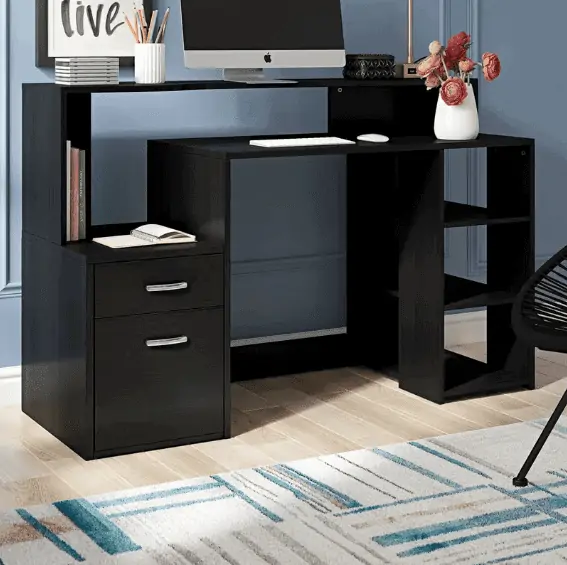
10, 386
10, 372
470, 327
465, 328
286, 337
559, 358
460, 329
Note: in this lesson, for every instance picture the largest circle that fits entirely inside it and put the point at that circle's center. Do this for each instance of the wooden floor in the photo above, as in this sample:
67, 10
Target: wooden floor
275, 420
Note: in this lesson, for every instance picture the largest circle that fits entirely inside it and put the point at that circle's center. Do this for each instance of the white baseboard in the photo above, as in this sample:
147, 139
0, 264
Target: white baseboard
10, 386
286, 337
465, 328
559, 358
460, 329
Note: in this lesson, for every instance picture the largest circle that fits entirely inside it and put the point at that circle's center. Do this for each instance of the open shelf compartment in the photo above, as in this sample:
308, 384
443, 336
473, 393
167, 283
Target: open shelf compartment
458, 215
461, 293
466, 377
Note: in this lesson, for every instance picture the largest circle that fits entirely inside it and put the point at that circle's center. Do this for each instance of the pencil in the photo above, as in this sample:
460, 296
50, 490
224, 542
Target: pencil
134, 32
145, 23
161, 31
142, 24
139, 27
152, 26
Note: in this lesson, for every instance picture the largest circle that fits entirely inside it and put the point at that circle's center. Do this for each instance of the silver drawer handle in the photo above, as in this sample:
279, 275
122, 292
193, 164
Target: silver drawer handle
166, 341
166, 287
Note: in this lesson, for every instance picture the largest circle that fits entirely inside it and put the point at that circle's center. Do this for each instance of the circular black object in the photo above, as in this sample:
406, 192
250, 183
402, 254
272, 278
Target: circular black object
369, 67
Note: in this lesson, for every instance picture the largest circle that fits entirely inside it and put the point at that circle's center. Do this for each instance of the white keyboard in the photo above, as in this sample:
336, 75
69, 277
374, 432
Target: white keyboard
301, 142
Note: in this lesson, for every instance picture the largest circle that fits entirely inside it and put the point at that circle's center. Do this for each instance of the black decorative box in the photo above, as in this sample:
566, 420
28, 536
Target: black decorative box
369, 67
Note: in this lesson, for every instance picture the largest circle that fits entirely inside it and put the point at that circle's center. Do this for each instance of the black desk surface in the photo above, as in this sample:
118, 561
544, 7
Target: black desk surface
225, 85
240, 148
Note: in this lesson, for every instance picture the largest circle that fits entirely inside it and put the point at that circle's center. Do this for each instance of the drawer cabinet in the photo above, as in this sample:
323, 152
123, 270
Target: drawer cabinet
160, 285
137, 367
158, 377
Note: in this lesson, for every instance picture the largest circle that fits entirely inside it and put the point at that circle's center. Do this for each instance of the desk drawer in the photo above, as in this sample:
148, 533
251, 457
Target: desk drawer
159, 285
158, 378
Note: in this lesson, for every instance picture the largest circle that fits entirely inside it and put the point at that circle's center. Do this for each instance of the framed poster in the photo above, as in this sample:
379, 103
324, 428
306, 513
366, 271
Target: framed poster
84, 28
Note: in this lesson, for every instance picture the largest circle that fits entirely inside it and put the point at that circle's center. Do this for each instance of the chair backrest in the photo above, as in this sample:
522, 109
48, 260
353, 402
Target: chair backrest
539, 315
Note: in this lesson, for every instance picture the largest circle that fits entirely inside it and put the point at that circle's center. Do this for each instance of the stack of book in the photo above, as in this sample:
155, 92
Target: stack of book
86, 70
76, 193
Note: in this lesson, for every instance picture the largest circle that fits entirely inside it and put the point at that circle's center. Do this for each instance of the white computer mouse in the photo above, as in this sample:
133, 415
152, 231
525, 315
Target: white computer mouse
373, 138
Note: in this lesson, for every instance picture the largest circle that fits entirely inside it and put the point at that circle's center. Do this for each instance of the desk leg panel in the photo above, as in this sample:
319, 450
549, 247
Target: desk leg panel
372, 260
510, 256
192, 193
421, 288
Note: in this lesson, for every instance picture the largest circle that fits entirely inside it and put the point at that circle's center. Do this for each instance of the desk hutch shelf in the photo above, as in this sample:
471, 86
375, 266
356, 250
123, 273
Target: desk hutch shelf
89, 376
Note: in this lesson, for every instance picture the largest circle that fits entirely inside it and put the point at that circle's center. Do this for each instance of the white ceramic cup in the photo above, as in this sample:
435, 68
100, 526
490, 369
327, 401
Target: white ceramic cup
149, 63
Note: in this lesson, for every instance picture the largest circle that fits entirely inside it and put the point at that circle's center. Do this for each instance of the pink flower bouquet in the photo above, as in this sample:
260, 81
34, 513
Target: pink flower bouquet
450, 68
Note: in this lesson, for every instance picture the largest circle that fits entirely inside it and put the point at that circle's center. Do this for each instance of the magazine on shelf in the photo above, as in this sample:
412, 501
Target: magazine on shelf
148, 234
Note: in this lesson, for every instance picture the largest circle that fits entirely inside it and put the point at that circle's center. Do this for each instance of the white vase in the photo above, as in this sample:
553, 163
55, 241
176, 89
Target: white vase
457, 123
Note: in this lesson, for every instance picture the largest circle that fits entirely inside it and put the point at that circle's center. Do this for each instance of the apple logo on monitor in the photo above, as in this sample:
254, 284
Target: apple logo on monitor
268, 58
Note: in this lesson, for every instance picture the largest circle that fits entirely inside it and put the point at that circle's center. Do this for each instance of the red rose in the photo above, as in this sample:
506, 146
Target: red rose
454, 91
491, 66
466, 65
461, 38
456, 49
429, 65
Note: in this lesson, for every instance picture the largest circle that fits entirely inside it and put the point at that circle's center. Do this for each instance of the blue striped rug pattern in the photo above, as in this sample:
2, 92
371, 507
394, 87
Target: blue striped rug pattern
443, 500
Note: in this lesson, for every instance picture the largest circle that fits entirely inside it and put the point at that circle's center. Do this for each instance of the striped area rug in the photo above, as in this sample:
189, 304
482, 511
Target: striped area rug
443, 500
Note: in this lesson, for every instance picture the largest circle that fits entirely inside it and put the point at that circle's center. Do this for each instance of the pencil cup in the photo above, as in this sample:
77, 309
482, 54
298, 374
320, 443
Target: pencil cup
149, 63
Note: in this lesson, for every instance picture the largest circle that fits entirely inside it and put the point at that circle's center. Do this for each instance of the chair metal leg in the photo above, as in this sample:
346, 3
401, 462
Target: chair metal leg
521, 480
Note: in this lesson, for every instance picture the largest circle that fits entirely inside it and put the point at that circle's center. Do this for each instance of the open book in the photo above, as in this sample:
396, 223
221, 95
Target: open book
149, 234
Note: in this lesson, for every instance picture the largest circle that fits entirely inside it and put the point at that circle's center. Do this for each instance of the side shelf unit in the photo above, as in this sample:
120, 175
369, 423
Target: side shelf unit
410, 291
398, 200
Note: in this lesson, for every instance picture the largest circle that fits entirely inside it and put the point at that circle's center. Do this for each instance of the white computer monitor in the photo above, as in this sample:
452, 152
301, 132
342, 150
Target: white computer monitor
244, 37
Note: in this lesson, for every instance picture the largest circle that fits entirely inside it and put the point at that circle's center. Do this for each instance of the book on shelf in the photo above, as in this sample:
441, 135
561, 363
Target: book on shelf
92, 64
83, 71
86, 74
82, 195
86, 82
148, 234
82, 60
74, 194
98, 75
68, 192
76, 221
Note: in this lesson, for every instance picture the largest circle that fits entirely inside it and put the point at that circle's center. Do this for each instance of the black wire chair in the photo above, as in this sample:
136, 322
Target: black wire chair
539, 318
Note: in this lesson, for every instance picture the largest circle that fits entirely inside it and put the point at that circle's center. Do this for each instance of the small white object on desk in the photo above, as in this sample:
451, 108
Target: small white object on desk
373, 138
149, 63
72, 71
150, 234
149, 51
301, 142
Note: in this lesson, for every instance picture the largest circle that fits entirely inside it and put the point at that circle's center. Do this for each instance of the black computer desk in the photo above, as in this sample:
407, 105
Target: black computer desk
89, 376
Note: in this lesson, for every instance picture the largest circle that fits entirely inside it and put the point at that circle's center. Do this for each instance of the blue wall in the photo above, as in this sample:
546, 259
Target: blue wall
289, 267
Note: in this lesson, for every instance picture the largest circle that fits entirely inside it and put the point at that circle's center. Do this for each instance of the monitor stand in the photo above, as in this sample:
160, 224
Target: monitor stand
251, 76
